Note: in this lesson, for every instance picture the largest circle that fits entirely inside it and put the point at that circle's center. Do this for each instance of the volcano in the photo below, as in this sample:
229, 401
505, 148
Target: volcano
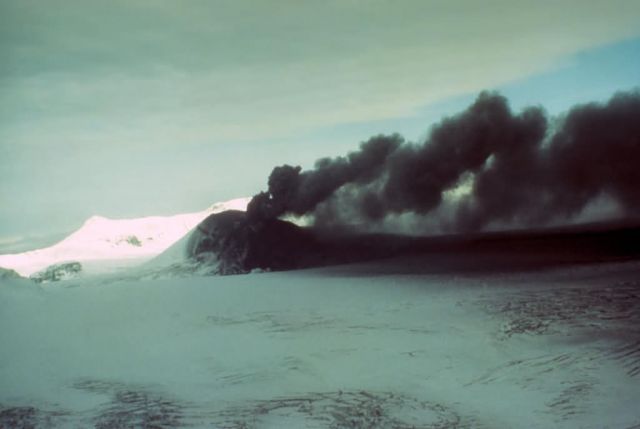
238, 243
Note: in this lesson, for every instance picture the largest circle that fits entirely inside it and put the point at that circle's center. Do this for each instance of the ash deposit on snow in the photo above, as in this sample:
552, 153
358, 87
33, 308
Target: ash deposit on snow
57, 272
237, 245
233, 242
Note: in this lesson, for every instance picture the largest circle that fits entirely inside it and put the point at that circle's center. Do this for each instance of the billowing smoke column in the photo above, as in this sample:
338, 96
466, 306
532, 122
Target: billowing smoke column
294, 192
520, 169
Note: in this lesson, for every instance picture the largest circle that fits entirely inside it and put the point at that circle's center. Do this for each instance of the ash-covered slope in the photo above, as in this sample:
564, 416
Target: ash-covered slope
233, 242
238, 245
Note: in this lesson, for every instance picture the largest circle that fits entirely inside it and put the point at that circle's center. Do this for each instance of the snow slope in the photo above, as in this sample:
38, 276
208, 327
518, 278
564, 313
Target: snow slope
102, 244
325, 348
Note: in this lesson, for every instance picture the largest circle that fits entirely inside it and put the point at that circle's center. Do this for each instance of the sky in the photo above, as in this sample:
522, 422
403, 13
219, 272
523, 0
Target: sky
139, 107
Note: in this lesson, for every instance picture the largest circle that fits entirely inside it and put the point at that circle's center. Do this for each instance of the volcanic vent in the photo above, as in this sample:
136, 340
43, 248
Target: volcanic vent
238, 244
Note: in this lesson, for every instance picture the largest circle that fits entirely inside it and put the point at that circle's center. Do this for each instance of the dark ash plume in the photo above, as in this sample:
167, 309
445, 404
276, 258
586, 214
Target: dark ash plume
522, 171
294, 192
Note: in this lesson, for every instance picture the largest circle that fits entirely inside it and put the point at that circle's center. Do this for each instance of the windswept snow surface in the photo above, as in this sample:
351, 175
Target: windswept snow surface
102, 244
326, 348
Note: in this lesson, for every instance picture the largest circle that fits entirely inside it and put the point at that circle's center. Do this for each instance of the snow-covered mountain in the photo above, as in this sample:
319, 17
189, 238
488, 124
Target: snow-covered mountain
103, 242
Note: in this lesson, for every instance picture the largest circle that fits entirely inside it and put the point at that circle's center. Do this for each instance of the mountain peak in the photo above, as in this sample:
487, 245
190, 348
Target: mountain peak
126, 240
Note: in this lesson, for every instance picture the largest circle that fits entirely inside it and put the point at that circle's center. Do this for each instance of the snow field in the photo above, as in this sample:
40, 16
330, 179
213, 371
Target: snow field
320, 349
